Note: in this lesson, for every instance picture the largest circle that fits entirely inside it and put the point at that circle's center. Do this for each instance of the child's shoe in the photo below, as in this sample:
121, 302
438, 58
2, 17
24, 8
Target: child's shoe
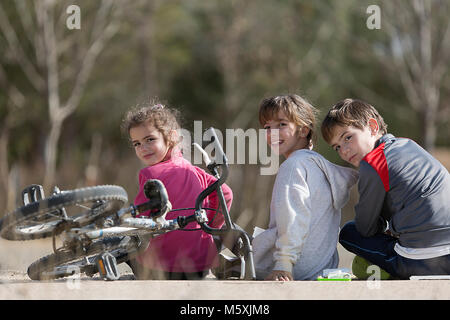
360, 266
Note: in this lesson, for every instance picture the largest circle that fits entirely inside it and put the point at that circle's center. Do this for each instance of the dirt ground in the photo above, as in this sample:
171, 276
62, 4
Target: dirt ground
16, 256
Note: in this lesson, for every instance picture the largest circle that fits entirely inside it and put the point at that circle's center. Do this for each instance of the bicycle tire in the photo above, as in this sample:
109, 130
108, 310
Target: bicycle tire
21, 223
66, 263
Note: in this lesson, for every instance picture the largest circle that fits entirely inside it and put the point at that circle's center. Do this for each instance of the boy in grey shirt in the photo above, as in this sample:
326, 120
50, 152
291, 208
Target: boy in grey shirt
402, 219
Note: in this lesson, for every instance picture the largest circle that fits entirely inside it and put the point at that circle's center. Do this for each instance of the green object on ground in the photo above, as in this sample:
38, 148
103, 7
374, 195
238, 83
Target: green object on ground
364, 269
338, 279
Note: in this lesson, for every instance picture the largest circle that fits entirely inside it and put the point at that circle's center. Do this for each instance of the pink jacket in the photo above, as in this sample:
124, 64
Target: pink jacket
182, 251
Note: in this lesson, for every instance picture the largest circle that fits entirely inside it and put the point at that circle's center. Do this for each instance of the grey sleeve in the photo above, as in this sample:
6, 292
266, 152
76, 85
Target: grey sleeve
368, 218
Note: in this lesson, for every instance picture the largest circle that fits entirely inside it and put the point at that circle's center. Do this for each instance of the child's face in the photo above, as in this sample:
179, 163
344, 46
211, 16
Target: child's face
353, 144
283, 136
149, 144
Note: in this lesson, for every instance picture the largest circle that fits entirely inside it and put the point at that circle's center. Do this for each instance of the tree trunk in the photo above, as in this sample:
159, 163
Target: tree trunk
428, 128
51, 148
4, 168
91, 172
13, 188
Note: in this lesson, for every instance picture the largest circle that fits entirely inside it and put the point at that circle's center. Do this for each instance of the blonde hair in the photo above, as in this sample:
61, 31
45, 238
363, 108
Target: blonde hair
350, 112
162, 118
296, 109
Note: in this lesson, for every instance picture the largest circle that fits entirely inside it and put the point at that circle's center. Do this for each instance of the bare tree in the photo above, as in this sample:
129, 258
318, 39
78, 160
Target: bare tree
92, 168
419, 33
46, 72
15, 102
247, 48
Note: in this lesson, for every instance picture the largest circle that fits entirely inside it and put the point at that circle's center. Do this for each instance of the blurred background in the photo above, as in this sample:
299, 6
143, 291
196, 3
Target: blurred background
67, 77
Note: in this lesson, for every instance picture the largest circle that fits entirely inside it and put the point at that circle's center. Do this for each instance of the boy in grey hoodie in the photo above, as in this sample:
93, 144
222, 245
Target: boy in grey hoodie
402, 219
308, 195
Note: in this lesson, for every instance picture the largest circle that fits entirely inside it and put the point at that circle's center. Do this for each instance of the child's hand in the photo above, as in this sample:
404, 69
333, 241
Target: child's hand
278, 275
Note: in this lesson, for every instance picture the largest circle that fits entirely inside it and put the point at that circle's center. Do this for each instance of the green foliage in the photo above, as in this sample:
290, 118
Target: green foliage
215, 60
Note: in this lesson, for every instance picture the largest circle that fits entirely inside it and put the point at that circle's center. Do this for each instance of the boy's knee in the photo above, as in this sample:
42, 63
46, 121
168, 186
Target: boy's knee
347, 230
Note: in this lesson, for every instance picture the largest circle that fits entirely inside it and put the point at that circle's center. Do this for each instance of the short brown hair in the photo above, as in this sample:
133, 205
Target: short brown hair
350, 112
296, 108
164, 119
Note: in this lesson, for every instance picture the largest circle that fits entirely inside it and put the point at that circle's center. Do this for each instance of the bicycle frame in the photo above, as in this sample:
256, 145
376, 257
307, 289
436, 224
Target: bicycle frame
120, 224
231, 235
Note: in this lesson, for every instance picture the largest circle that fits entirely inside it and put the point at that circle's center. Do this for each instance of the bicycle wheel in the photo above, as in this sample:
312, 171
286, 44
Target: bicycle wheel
66, 263
40, 219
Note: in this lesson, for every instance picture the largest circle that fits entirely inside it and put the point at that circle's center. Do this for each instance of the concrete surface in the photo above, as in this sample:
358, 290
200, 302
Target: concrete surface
15, 256
227, 290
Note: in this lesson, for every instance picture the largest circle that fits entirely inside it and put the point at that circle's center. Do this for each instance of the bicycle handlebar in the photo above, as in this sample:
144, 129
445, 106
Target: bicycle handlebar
203, 152
220, 160
155, 191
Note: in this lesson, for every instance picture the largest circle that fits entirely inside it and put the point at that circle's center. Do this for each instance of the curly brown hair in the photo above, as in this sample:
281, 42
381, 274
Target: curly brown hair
162, 118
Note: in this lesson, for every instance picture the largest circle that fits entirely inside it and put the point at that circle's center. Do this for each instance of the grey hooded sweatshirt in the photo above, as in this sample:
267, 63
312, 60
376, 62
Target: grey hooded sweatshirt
305, 213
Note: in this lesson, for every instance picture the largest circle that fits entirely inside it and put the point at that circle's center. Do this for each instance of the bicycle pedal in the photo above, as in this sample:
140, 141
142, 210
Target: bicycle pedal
107, 266
32, 193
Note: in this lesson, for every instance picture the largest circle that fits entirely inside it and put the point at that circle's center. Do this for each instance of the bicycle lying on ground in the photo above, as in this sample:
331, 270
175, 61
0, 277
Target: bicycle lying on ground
98, 233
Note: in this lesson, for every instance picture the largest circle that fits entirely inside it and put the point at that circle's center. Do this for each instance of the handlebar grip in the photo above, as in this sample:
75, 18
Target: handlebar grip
183, 221
154, 188
203, 152
156, 192
149, 205
220, 157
